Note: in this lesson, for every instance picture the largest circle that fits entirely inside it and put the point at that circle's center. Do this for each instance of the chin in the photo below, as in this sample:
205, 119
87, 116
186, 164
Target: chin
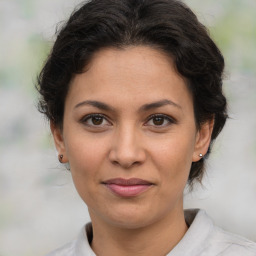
126, 216
131, 222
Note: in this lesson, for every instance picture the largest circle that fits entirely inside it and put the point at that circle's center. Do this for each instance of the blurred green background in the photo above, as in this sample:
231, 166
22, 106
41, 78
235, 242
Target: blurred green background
39, 208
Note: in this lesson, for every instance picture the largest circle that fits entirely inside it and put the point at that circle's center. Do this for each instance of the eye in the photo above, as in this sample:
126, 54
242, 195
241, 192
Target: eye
95, 120
160, 120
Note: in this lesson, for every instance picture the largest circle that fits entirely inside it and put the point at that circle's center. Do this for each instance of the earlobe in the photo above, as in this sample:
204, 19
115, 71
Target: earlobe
59, 142
203, 139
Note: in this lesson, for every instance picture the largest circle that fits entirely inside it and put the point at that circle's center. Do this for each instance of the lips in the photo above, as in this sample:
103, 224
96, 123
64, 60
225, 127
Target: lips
127, 187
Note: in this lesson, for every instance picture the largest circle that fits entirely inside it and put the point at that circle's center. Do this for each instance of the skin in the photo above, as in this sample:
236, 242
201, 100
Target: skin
127, 142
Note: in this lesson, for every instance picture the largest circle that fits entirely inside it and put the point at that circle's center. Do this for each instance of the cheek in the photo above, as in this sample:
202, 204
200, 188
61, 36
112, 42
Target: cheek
86, 154
174, 157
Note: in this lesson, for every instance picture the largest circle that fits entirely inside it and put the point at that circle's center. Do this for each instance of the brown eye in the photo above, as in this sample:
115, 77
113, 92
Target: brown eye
158, 120
94, 120
97, 120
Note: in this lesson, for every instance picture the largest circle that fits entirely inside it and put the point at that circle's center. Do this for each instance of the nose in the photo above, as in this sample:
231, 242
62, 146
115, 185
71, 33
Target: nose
127, 148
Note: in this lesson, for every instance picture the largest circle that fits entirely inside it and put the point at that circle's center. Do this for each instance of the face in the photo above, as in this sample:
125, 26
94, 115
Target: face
130, 137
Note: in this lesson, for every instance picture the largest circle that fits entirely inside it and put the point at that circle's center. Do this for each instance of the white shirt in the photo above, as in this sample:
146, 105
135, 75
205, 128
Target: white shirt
203, 238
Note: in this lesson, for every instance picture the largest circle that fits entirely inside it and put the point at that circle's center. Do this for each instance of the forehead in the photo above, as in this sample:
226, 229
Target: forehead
132, 75
138, 64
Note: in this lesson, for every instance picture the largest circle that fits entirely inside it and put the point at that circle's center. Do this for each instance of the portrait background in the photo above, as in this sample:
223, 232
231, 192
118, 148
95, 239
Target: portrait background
39, 207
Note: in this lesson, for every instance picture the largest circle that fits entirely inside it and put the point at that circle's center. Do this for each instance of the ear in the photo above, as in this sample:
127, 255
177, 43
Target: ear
59, 141
203, 139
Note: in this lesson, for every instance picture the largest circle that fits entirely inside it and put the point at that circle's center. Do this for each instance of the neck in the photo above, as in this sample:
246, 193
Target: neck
155, 239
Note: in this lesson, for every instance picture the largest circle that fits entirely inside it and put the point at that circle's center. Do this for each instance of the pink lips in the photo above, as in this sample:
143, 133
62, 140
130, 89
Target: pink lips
127, 187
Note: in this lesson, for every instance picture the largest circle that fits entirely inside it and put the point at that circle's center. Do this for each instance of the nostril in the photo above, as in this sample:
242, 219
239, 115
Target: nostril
126, 153
125, 165
115, 162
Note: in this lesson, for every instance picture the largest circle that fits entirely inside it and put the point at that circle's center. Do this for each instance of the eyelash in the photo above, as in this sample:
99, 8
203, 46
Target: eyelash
86, 118
170, 120
165, 117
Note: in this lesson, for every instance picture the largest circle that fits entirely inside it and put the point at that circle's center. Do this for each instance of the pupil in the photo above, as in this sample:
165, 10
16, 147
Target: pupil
97, 120
158, 120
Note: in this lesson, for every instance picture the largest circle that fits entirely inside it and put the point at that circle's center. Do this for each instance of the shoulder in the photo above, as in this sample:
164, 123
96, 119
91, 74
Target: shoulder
228, 244
66, 250
78, 247
217, 241
203, 238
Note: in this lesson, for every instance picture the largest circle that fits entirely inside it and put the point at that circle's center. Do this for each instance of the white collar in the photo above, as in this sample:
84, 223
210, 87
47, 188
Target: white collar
196, 219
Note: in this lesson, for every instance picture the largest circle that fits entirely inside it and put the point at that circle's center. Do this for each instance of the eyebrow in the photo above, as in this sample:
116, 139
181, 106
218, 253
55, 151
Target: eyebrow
94, 103
144, 108
158, 104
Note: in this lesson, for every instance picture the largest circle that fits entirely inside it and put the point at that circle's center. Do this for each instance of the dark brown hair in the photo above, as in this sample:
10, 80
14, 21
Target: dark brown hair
168, 25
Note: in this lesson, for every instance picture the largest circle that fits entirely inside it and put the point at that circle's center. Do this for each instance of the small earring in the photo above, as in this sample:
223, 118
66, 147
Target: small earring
201, 155
60, 158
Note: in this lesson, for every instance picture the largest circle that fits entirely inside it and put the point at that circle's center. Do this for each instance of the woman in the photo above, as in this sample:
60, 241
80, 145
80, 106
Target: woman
133, 92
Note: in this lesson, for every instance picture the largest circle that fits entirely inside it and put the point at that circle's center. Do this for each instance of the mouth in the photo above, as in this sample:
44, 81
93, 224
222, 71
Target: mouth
127, 187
